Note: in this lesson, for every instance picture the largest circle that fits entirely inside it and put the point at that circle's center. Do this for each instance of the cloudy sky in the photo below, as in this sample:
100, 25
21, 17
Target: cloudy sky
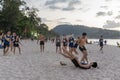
93, 13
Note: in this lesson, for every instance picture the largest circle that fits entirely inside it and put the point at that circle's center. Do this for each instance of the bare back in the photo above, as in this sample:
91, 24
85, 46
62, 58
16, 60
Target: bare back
82, 41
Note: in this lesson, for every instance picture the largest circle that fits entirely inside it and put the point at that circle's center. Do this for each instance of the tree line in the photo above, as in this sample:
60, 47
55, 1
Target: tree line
16, 16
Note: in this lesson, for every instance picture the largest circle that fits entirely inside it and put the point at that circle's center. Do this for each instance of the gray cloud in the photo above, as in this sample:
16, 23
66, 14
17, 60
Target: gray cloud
101, 14
61, 18
68, 8
52, 2
79, 20
117, 17
108, 0
109, 13
60, 22
111, 24
70, 4
104, 7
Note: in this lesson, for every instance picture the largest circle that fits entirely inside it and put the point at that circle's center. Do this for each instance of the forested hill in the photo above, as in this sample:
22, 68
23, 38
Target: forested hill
77, 30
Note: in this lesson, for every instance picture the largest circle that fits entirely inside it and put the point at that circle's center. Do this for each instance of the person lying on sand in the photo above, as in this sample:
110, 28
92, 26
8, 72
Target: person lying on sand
76, 62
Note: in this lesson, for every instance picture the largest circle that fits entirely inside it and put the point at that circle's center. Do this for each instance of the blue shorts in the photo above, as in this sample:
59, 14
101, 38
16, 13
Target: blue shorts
71, 45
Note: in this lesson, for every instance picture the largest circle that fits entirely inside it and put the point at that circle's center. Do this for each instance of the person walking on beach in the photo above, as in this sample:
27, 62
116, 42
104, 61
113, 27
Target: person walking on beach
42, 42
101, 43
16, 43
82, 41
58, 44
7, 42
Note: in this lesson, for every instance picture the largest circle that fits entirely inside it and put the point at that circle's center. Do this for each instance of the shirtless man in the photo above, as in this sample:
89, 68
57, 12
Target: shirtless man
82, 41
42, 42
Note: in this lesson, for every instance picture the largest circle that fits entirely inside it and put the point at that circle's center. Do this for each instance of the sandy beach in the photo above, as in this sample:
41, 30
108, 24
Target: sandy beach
33, 65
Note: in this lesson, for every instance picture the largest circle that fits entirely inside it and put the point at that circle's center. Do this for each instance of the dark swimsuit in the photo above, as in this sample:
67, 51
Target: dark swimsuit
16, 43
64, 42
82, 48
41, 42
75, 62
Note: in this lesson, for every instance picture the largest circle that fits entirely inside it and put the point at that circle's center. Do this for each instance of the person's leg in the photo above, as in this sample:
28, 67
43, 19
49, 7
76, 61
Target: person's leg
6, 50
40, 48
85, 57
56, 49
67, 52
11, 45
43, 47
65, 55
19, 49
14, 50
75, 51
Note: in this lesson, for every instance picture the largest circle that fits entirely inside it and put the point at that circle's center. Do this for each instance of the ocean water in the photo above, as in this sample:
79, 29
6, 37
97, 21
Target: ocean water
109, 41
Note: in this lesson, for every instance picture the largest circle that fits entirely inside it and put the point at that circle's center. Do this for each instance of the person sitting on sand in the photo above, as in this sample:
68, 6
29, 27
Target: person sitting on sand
76, 62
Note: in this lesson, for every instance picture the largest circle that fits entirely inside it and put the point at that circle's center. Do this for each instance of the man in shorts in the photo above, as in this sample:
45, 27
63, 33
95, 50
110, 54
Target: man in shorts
82, 41
42, 42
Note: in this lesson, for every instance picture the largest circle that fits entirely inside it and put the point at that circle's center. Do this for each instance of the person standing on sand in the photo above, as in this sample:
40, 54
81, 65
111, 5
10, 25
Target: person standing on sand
7, 42
13, 37
71, 43
42, 42
65, 42
16, 43
82, 41
58, 44
101, 43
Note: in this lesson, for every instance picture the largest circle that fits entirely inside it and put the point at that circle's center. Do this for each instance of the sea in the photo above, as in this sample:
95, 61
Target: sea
109, 41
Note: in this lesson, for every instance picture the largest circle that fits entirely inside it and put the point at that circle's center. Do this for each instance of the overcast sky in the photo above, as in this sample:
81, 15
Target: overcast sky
93, 13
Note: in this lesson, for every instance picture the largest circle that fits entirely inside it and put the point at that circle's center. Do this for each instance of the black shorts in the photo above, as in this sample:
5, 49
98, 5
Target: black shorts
41, 42
16, 45
6, 45
101, 44
82, 48
58, 44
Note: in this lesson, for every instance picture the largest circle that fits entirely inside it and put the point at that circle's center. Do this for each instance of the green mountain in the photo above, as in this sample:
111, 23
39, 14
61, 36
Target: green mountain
77, 30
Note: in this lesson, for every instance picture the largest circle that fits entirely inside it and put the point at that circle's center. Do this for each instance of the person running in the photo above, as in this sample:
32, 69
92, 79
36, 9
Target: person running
82, 41
16, 43
42, 42
76, 62
58, 44
6, 43
101, 43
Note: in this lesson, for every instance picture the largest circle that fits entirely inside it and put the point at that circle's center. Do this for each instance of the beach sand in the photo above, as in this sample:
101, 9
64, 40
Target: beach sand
34, 65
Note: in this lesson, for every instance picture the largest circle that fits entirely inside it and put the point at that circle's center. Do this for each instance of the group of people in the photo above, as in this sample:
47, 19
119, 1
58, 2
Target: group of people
73, 44
10, 42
